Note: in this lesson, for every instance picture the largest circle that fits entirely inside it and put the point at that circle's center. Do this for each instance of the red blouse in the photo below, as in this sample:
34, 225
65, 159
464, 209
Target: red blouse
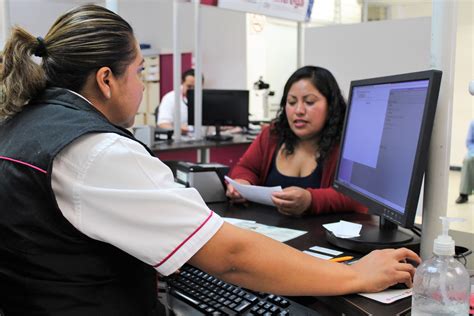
255, 165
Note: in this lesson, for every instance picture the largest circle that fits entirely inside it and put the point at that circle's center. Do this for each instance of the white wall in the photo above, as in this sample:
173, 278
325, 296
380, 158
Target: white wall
409, 9
3, 21
372, 49
271, 54
36, 16
281, 43
224, 45
223, 41
463, 102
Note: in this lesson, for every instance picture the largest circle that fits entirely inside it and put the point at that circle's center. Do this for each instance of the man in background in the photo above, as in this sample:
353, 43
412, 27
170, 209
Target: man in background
165, 117
467, 170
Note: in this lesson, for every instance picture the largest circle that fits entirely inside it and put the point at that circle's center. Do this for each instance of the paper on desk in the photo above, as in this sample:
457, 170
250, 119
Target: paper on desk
344, 229
277, 233
328, 251
388, 296
317, 255
237, 221
255, 193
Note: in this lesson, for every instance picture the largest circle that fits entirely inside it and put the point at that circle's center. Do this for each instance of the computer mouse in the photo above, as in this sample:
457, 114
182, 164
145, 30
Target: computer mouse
398, 286
412, 262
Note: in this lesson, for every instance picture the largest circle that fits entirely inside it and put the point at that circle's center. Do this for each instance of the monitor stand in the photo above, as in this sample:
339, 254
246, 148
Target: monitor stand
218, 137
385, 235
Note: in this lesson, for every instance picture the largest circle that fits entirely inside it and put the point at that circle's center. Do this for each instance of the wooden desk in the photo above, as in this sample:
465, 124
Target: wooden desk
226, 152
347, 304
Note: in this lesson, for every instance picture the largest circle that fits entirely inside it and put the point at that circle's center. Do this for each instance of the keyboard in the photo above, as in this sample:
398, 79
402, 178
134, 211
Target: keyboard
207, 295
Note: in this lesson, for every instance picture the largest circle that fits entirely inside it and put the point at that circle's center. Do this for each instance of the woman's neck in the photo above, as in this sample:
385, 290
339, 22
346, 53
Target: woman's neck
307, 145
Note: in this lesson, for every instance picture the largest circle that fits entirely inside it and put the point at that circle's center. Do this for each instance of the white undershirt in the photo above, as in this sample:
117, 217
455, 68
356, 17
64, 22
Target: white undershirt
166, 109
112, 190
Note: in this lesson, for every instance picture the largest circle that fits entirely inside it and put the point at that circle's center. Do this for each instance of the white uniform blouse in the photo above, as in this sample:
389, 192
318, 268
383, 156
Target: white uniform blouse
166, 109
112, 190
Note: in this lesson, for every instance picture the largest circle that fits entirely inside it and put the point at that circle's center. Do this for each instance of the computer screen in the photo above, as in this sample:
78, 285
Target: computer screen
384, 148
220, 108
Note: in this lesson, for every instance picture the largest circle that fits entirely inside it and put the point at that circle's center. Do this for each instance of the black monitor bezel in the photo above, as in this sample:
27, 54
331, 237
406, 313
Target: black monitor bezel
420, 162
190, 97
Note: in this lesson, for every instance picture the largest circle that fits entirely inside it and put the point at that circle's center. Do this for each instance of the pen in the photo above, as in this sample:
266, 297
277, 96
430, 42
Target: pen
341, 259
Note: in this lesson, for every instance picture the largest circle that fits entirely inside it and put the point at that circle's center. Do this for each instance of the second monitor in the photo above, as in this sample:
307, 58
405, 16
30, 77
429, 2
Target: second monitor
221, 108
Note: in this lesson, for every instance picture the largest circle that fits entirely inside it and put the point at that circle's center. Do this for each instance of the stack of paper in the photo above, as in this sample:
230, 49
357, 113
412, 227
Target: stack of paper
277, 233
343, 229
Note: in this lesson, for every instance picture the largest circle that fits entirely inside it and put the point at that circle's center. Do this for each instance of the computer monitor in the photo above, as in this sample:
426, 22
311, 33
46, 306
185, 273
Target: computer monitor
221, 107
384, 152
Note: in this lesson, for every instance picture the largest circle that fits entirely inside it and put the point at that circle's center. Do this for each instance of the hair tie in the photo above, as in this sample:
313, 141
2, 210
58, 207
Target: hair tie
40, 50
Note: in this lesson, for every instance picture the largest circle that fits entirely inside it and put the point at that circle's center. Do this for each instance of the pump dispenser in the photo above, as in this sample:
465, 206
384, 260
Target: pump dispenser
441, 284
443, 244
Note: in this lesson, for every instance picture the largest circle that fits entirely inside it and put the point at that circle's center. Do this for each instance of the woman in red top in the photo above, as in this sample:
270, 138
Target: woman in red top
299, 150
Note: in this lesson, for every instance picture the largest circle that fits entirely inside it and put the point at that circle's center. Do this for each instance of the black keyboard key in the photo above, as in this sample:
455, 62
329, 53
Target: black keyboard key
284, 303
250, 297
209, 310
255, 309
186, 298
242, 306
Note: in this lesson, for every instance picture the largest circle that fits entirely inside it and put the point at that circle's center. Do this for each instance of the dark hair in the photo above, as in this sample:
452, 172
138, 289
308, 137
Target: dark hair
80, 42
189, 72
324, 81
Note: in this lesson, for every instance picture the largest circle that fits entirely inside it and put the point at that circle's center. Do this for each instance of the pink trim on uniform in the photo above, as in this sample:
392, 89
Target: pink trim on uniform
24, 163
184, 241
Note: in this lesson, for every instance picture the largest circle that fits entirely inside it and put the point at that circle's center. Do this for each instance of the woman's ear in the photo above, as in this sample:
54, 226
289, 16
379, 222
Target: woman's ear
104, 76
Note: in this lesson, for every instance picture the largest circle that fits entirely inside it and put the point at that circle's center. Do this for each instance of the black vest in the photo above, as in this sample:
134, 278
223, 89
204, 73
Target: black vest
48, 267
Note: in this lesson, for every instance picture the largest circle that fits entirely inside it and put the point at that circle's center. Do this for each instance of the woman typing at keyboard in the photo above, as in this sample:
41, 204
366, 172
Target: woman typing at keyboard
88, 215
299, 150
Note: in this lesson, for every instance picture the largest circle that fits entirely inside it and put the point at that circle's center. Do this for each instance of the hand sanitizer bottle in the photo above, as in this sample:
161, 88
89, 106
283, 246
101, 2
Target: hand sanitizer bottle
441, 284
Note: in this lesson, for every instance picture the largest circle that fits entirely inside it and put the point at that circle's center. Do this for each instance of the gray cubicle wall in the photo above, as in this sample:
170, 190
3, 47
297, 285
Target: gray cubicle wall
365, 50
372, 49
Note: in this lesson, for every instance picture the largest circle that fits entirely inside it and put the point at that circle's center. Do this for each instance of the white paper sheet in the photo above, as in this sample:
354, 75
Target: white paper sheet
277, 233
344, 229
255, 193
388, 296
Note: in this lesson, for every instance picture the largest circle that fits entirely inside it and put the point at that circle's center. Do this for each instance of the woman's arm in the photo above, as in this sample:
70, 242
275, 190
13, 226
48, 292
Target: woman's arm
252, 163
328, 200
257, 262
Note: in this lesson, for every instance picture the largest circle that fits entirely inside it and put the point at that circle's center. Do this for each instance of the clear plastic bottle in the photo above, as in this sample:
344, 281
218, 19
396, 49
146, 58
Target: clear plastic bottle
441, 284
